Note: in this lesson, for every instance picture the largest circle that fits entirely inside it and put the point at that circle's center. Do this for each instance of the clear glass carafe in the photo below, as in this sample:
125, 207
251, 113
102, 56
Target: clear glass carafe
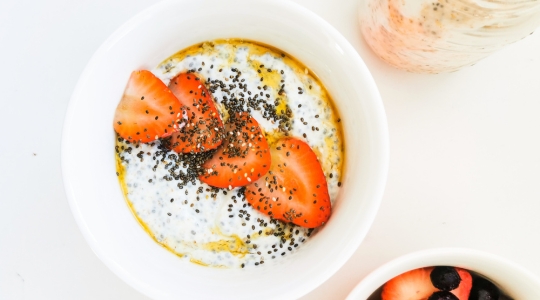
434, 36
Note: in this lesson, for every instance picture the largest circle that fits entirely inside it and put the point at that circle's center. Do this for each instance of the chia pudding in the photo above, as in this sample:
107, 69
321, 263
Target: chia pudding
216, 226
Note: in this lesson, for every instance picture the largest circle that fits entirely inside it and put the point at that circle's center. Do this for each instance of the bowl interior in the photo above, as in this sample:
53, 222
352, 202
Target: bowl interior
512, 280
149, 38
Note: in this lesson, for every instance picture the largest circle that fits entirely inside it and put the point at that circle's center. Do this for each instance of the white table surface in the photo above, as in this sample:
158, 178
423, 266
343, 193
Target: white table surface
464, 157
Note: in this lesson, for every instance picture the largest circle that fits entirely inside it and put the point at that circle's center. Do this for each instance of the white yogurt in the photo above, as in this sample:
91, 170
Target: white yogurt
217, 227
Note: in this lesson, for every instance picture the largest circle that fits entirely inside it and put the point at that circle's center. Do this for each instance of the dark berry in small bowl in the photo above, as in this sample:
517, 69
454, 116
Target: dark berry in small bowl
443, 295
445, 278
483, 289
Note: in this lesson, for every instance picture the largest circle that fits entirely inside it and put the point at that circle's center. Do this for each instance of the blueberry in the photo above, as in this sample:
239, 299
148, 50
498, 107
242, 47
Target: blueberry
483, 289
443, 295
445, 278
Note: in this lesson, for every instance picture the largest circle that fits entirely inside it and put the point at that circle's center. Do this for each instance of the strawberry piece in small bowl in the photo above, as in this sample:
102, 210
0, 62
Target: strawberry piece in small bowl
432, 283
464, 289
414, 284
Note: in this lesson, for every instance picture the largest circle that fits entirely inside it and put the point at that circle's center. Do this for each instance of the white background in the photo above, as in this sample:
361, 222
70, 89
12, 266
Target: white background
464, 157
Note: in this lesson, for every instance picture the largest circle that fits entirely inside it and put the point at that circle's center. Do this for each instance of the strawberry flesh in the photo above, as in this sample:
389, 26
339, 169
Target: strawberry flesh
200, 127
417, 285
243, 157
464, 288
294, 189
411, 285
147, 111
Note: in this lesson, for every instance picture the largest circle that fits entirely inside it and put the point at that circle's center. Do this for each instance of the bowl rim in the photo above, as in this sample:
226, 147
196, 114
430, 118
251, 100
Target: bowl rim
385, 272
380, 124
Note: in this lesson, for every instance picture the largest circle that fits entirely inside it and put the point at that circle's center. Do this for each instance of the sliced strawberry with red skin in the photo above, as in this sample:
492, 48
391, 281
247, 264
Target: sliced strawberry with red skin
464, 288
294, 189
411, 285
147, 111
201, 126
243, 157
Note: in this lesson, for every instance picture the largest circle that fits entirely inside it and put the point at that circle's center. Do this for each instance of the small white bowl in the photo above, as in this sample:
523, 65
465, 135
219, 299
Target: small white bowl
88, 160
512, 280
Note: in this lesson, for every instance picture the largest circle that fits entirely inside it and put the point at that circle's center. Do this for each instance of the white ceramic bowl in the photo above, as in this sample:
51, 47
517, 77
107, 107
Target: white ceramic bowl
512, 280
143, 42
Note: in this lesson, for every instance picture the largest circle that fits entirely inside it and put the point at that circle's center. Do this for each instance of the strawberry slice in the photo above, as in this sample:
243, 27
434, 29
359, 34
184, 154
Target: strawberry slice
464, 288
417, 285
244, 156
294, 189
412, 285
201, 128
147, 111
